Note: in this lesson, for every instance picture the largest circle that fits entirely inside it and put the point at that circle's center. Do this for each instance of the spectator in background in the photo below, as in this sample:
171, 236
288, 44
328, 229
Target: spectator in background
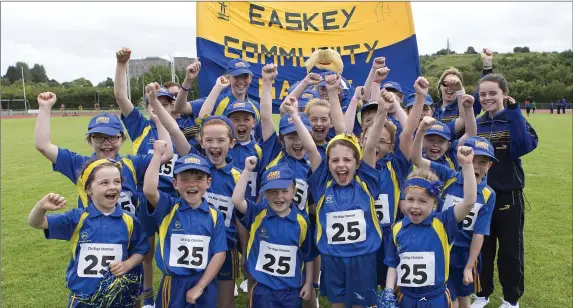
551, 107
533, 106
563, 105
527, 107
63, 110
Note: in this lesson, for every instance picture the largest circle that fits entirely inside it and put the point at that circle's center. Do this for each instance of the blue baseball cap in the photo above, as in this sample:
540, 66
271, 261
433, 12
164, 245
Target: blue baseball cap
163, 92
286, 125
392, 85
192, 162
238, 67
369, 105
344, 85
411, 99
277, 177
105, 123
481, 146
306, 96
439, 129
240, 106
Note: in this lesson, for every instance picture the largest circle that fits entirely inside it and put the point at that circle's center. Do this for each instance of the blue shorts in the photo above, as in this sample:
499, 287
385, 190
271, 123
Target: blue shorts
441, 301
458, 260
349, 280
265, 297
230, 269
381, 267
173, 289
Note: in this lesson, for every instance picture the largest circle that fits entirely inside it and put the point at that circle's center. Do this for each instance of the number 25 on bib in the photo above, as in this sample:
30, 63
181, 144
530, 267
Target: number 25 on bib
190, 251
345, 227
277, 260
95, 258
416, 269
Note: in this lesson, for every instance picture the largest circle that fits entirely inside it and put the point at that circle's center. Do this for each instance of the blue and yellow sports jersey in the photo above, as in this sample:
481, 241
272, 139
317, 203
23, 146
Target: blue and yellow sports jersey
219, 195
143, 133
393, 169
188, 237
278, 246
346, 221
322, 149
224, 100
97, 241
133, 169
421, 253
479, 219
239, 153
274, 153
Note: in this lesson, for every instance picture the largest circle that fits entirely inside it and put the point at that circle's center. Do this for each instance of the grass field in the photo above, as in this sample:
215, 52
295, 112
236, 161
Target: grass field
33, 269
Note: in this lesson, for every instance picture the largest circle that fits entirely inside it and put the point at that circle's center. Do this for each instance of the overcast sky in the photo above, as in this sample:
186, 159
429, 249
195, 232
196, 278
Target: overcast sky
75, 40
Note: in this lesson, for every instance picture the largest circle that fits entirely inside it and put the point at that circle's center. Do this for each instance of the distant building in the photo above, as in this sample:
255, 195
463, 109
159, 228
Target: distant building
138, 67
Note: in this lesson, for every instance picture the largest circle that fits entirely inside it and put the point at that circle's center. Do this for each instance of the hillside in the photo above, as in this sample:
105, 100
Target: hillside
542, 77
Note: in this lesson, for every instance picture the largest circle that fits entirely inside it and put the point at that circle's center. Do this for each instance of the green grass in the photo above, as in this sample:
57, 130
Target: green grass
33, 269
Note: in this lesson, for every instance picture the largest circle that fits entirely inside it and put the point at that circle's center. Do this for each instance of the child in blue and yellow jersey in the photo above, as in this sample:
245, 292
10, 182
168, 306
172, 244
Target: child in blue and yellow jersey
280, 250
103, 236
419, 252
191, 248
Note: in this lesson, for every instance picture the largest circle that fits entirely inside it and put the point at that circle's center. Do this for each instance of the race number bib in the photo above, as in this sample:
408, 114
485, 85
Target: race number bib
94, 259
253, 183
126, 202
470, 219
345, 227
190, 251
383, 209
277, 260
167, 168
301, 194
416, 269
223, 204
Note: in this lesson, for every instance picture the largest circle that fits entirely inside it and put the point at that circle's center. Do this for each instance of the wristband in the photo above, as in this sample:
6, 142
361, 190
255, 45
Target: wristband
185, 89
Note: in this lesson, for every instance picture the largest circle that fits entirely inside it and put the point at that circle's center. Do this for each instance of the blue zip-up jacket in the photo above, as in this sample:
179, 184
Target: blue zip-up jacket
512, 137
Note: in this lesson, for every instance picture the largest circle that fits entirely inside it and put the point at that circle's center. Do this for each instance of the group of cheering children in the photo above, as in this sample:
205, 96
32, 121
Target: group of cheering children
398, 200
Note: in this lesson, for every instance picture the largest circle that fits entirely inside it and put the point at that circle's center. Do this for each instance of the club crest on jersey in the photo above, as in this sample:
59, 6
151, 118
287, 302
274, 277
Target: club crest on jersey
307, 96
178, 224
104, 120
328, 199
192, 160
84, 235
274, 175
290, 120
264, 232
151, 140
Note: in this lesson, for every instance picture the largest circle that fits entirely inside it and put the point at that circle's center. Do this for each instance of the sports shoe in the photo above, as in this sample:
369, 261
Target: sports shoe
479, 302
149, 306
244, 286
236, 291
505, 304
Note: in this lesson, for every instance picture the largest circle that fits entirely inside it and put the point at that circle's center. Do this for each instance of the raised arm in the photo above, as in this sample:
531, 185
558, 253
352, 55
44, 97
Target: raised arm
269, 73
421, 86
162, 134
207, 109
151, 180
181, 103
399, 113
311, 80
465, 158
120, 83
168, 123
290, 104
332, 87
523, 137
416, 154
350, 115
238, 197
42, 139
370, 82
469, 118
384, 102
50, 202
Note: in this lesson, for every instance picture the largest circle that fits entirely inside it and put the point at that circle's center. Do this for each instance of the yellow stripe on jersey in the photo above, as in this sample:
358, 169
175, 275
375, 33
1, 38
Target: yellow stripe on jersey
450, 163
163, 229
373, 215
236, 174
129, 224
486, 192
137, 142
254, 227
397, 227
275, 161
447, 184
213, 216
131, 168
76, 234
446, 246
318, 207
259, 151
303, 229
396, 188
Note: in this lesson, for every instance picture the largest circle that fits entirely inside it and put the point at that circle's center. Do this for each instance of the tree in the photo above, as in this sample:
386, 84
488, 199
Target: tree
38, 73
442, 52
82, 82
471, 51
27, 75
53, 83
5, 82
520, 49
12, 74
108, 83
